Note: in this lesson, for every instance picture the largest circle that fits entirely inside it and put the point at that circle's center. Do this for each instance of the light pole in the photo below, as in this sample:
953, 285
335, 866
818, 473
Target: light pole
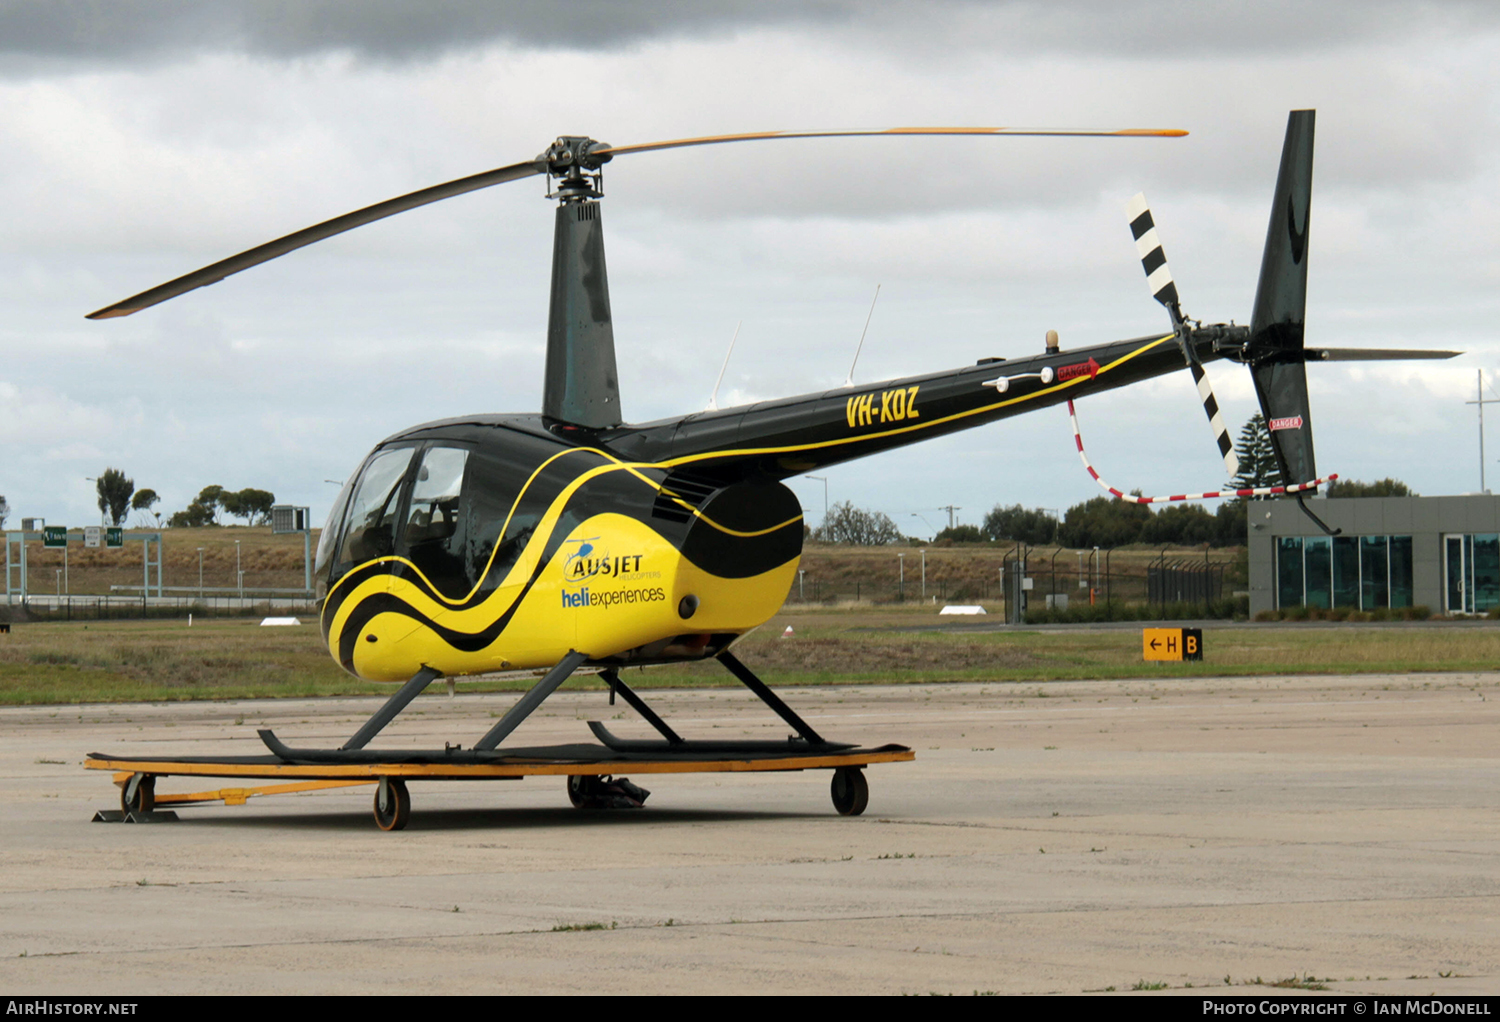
926, 523
924, 573
91, 479
824, 481
200, 573
1056, 521
239, 575
901, 576
1481, 401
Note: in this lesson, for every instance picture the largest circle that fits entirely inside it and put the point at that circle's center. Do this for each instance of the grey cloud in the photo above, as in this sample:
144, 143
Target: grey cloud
142, 30
36, 33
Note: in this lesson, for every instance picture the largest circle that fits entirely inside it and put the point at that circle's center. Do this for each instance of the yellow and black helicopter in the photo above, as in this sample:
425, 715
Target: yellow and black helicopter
571, 539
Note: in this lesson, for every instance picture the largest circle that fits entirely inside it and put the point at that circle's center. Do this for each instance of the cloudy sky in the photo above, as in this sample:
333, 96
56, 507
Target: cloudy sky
145, 138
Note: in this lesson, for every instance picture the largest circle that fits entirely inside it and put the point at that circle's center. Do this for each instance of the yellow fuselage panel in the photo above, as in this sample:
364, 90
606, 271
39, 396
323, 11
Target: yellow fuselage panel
614, 585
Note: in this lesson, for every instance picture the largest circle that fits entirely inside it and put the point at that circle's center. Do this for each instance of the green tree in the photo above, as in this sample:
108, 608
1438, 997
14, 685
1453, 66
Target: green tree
1232, 523
193, 516
204, 510
1257, 458
1182, 524
253, 505
959, 534
114, 491
4, 510
1034, 527
855, 526
211, 500
143, 501
1104, 522
1379, 488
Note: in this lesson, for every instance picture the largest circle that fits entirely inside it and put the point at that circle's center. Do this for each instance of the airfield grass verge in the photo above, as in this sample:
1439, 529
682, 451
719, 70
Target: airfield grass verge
124, 661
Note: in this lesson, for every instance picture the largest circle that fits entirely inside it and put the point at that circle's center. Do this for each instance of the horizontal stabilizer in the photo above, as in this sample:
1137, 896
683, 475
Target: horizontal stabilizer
1373, 354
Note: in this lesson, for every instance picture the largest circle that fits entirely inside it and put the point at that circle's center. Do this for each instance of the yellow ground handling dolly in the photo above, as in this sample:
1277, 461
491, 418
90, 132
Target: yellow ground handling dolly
591, 772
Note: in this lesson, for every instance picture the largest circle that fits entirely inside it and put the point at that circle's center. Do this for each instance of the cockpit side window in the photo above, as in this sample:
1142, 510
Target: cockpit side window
370, 531
497, 475
436, 531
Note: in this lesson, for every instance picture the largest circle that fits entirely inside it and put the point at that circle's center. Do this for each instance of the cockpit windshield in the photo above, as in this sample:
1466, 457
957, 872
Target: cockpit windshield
370, 531
458, 511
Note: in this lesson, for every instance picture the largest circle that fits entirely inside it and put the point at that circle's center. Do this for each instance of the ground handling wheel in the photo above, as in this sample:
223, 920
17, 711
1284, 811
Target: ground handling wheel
138, 795
392, 804
850, 790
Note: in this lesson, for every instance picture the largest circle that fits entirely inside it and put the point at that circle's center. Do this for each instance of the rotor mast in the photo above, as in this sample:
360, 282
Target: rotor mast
581, 386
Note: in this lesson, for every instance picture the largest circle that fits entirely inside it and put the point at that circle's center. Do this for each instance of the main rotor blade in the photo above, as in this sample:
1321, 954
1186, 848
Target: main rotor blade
760, 136
540, 165
327, 229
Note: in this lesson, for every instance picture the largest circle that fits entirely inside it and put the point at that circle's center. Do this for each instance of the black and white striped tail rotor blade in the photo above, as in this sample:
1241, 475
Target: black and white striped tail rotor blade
1153, 259
1164, 290
1215, 419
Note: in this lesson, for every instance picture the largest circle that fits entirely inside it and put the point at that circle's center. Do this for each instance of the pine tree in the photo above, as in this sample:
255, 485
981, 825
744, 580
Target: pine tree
1257, 458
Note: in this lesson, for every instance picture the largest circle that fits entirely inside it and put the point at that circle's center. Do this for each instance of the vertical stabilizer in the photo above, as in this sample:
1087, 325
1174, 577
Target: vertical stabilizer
1276, 326
582, 385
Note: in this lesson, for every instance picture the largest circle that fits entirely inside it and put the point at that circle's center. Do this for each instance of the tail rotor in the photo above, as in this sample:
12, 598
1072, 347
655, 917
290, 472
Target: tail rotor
1164, 290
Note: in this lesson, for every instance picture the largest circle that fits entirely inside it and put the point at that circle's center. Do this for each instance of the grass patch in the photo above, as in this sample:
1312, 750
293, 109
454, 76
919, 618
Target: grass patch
125, 661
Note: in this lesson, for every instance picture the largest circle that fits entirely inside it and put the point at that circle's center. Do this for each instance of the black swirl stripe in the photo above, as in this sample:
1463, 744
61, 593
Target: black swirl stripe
387, 603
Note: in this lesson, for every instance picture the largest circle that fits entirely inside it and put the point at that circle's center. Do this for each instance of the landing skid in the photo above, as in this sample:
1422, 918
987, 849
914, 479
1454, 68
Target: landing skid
354, 751
791, 746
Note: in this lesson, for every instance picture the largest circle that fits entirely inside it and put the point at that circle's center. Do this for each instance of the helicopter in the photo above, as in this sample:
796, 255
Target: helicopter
570, 539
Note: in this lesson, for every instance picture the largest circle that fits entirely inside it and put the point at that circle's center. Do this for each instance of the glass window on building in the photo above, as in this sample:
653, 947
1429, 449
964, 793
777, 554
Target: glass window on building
1317, 556
1369, 572
1289, 571
1345, 571
1486, 572
1374, 573
1400, 568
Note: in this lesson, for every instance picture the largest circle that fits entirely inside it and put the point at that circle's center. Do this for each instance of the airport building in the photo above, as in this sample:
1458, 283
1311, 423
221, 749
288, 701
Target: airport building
1392, 552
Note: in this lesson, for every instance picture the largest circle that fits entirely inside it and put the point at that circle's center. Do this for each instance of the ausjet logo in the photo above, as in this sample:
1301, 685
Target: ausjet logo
589, 561
1291, 422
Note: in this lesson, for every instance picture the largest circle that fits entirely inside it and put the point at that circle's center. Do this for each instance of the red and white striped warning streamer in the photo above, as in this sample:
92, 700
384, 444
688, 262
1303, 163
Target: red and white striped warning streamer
1258, 491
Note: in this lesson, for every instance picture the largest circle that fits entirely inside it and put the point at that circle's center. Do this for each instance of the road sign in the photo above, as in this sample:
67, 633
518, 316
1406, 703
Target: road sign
55, 535
91, 536
1172, 643
114, 537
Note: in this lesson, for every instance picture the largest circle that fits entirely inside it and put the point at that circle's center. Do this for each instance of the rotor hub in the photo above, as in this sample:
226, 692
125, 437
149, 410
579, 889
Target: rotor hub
577, 167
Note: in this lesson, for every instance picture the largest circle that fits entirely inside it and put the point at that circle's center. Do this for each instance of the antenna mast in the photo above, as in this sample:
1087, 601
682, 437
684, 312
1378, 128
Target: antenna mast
1481, 402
